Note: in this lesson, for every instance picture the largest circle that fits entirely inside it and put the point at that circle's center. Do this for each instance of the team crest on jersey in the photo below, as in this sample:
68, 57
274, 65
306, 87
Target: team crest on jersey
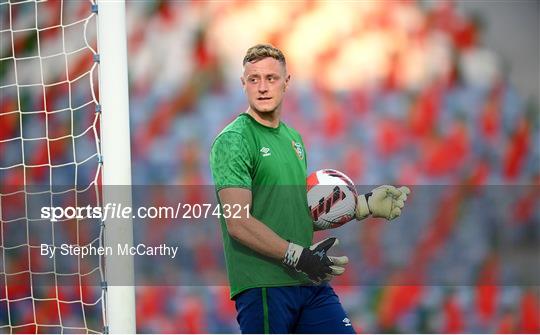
299, 150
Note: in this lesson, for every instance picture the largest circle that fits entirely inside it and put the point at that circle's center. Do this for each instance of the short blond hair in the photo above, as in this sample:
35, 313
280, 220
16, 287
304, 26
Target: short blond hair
260, 51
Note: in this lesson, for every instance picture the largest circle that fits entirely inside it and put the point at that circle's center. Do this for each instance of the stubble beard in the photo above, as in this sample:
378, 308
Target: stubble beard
265, 113
269, 115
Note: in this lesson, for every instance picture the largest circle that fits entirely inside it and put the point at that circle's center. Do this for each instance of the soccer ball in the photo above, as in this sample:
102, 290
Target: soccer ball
331, 198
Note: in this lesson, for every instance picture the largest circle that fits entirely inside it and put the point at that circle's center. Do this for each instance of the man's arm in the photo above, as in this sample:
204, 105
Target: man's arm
312, 261
248, 230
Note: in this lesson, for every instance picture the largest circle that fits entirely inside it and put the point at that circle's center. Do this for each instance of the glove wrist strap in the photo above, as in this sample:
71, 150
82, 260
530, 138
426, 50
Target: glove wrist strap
292, 255
368, 195
362, 207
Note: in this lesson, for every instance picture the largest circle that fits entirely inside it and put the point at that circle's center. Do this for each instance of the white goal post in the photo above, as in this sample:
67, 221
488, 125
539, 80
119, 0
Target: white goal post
63, 146
115, 139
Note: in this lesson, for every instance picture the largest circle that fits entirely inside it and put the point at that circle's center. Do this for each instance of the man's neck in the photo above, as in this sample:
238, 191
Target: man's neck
269, 119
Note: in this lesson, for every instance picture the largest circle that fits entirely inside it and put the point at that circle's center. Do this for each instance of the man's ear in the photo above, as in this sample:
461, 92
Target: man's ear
287, 82
243, 83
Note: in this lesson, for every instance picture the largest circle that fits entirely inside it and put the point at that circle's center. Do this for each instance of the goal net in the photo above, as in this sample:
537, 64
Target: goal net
50, 157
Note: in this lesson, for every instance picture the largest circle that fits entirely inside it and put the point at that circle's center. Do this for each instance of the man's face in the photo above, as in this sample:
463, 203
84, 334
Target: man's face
264, 82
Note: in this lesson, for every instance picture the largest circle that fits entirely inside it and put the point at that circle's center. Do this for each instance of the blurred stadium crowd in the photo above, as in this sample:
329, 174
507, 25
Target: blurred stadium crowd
389, 92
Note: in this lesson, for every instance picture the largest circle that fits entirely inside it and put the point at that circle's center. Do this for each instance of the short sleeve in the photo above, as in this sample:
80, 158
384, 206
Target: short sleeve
230, 161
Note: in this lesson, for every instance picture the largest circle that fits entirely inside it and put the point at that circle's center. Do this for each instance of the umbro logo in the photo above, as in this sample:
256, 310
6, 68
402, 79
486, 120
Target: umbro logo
265, 151
347, 322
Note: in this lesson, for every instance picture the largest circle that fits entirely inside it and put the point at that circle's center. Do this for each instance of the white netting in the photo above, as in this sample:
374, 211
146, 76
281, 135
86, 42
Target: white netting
49, 157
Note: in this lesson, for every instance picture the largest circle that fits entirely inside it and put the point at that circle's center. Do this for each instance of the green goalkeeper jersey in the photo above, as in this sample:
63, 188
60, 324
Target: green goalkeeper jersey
271, 162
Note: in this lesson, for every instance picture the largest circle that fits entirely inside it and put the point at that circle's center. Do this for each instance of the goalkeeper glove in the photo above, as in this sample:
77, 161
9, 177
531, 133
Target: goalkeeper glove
385, 201
314, 262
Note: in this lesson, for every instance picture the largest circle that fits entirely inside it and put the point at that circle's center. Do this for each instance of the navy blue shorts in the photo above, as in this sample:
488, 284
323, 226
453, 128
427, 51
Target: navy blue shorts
292, 309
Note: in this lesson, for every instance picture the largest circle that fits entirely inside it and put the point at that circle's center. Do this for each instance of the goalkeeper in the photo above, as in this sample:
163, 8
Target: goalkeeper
278, 277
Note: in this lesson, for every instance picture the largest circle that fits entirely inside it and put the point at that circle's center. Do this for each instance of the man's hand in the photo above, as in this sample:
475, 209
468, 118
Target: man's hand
314, 262
385, 201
